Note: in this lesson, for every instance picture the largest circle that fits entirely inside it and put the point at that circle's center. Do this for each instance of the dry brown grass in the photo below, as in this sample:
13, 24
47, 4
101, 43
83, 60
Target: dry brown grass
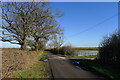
13, 60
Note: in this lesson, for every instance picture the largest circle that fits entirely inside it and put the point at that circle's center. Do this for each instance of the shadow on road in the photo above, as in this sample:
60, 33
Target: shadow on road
77, 63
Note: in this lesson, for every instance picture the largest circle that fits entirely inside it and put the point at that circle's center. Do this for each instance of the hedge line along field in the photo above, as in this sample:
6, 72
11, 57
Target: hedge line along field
14, 60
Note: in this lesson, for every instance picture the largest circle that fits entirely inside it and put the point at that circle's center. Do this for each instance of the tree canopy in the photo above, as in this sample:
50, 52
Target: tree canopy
28, 23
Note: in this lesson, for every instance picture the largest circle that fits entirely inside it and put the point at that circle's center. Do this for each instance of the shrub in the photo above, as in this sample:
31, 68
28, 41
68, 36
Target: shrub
109, 49
65, 50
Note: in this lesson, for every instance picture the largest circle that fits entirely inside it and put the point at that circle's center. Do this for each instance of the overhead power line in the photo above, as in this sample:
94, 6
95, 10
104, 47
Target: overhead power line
92, 27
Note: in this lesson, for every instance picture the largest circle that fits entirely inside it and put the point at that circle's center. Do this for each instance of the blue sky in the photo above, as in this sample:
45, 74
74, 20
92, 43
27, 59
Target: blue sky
85, 23
79, 16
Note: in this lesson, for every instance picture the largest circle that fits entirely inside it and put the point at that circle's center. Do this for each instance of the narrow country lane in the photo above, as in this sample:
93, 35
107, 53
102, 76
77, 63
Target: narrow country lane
62, 68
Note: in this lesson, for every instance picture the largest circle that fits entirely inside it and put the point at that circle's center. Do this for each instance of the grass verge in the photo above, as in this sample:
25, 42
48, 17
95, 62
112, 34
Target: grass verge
111, 72
37, 70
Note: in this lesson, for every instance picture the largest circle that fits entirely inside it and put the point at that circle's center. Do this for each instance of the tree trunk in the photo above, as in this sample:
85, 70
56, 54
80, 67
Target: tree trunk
37, 46
23, 47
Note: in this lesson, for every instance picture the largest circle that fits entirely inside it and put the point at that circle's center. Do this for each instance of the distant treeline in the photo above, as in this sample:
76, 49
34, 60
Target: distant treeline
87, 48
82, 48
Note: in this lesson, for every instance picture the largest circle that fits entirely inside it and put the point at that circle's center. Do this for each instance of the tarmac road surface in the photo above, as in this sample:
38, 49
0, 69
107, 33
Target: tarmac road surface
62, 68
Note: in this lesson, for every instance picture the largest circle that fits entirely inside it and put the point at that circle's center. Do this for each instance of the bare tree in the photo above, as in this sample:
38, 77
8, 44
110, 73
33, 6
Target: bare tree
28, 23
57, 40
45, 27
43, 33
18, 19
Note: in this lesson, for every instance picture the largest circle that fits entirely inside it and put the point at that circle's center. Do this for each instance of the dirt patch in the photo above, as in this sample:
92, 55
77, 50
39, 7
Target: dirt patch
14, 60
